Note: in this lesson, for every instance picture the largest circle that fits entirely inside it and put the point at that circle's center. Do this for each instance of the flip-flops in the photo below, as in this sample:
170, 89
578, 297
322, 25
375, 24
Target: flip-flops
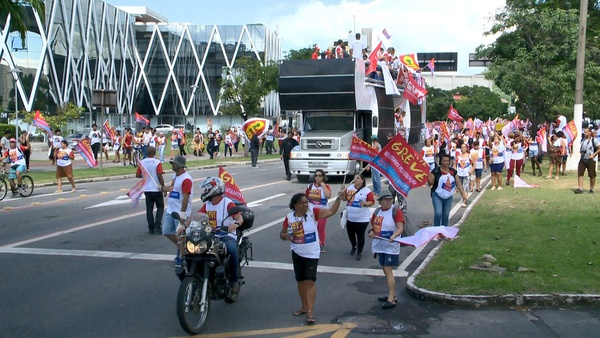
299, 313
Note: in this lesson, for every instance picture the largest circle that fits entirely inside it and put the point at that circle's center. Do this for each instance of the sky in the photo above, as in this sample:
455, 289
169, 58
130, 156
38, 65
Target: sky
415, 26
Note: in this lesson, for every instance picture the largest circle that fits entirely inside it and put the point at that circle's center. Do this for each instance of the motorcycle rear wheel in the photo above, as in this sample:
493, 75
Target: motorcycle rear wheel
189, 299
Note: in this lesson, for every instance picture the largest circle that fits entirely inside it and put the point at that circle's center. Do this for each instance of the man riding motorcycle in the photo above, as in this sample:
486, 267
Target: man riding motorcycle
216, 207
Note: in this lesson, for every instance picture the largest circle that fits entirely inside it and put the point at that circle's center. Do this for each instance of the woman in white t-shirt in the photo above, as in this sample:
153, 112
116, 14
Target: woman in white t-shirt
479, 162
497, 158
359, 200
463, 165
318, 193
300, 228
428, 154
64, 166
117, 147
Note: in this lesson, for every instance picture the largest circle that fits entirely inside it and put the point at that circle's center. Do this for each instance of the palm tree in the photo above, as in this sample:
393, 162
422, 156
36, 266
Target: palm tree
19, 19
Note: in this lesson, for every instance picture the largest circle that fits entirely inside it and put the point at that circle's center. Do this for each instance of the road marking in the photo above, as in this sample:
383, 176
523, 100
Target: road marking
123, 199
163, 257
19, 198
257, 202
336, 330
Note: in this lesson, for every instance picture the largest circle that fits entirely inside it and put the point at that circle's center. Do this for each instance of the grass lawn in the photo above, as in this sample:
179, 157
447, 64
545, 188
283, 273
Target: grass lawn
549, 230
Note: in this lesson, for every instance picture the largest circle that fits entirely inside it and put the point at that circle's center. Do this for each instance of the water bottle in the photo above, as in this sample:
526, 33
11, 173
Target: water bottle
290, 231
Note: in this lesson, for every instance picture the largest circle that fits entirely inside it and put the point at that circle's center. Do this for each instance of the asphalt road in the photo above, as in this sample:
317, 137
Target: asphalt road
82, 265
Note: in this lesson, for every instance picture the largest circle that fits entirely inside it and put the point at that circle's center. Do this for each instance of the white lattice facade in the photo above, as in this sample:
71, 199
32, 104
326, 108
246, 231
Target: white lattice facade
158, 70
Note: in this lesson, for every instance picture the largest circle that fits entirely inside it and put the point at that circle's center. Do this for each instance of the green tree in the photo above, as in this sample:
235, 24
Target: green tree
246, 84
19, 14
476, 102
534, 57
69, 111
300, 54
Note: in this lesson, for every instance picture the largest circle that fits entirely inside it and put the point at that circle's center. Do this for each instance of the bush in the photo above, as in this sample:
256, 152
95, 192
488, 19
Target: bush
4, 127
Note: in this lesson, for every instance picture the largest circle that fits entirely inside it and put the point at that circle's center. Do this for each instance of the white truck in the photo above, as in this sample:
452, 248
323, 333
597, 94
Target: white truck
333, 101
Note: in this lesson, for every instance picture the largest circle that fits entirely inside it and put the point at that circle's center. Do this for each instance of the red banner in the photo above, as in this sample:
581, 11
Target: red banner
413, 92
410, 60
361, 150
85, 150
454, 115
40, 122
570, 131
231, 189
373, 60
404, 168
139, 118
256, 126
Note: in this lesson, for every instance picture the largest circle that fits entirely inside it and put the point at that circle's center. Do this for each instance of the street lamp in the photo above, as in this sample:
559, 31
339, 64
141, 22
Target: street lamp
15, 72
194, 88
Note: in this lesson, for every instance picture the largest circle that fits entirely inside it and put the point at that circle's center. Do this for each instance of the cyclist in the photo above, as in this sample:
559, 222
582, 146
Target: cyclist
16, 155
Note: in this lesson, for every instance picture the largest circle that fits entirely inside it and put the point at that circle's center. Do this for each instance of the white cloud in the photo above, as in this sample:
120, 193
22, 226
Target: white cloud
415, 26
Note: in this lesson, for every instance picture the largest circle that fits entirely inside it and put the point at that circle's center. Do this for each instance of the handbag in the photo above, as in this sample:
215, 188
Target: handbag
344, 219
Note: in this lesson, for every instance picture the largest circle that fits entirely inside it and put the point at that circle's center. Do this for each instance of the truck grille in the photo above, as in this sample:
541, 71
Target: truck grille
319, 144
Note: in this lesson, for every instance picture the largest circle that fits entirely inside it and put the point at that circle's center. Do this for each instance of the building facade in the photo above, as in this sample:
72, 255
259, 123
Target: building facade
167, 72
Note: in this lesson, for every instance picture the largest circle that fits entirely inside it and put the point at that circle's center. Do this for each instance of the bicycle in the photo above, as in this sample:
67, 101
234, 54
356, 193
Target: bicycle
137, 152
25, 190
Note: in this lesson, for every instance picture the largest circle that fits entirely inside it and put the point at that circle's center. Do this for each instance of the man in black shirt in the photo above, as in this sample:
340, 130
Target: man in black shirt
254, 148
286, 148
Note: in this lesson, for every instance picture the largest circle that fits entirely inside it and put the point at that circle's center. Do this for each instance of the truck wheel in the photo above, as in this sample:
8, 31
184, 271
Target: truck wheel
302, 178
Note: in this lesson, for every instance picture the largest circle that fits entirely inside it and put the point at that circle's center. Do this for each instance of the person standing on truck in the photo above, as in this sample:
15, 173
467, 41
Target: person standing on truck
286, 148
339, 50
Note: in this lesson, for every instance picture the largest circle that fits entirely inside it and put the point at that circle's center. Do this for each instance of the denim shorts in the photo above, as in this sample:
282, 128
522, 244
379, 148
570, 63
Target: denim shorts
169, 225
497, 167
533, 153
388, 259
478, 173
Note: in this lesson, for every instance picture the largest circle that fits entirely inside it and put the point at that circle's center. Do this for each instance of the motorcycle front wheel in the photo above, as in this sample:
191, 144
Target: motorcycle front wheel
189, 301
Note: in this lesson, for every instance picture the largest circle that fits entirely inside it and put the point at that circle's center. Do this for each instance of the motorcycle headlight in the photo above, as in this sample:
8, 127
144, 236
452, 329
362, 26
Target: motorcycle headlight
196, 248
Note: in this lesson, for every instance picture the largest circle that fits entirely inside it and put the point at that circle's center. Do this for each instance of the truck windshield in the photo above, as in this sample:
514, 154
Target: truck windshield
329, 121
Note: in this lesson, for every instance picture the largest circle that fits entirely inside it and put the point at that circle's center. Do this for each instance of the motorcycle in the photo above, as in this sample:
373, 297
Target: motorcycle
205, 269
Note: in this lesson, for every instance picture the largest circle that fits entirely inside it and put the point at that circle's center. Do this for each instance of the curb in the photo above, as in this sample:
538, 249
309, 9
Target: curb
169, 171
490, 300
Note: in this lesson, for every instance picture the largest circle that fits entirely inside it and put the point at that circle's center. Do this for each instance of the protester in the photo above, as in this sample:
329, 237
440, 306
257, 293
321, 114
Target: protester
318, 193
386, 226
285, 150
95, 140
359, 200
117, 147
270, 140
557, 149
105, 146
64, 166
479, 163
443, 184
254, 149
589, 150
535, 154
300, 228
463, 166
428, 154
161, 142
517, 154
127, 146
152, 190
24, 141
55, 144
175, 144
497, 162
180, 194
375, 175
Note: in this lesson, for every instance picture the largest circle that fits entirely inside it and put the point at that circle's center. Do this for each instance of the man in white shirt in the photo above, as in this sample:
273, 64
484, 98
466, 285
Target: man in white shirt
5, 144
152, 191
95, 140
357, 47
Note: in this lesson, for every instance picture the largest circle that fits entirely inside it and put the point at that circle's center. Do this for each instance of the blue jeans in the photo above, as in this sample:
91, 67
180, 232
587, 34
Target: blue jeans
376, 177
144, 151
231, 245
441, 210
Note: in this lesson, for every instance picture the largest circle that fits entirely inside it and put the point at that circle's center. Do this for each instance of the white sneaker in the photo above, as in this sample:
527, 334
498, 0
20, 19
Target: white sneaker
499, 188
493, 188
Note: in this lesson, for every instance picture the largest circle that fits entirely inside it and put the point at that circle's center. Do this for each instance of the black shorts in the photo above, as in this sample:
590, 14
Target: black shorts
304, 268
590, 165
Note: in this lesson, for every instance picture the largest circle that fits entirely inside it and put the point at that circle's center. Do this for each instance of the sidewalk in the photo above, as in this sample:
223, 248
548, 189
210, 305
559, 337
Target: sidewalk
43, 164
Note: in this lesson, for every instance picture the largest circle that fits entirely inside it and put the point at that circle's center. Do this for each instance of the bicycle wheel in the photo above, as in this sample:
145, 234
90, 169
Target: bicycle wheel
135, 159
27, 188
3, 189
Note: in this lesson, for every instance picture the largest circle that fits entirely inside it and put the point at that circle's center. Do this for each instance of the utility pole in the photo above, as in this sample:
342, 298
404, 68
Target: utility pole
573, 160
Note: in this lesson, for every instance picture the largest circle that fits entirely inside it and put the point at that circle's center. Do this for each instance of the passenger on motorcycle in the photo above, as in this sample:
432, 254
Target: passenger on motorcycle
217, 208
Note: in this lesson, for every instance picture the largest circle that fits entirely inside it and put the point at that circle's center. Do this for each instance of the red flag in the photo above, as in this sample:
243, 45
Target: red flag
570, 131
40, 122
85, 150
231, 189
413, 91
141, 119
361, 150
256, 126
373, 60
431, 65
404, 168
454, 115
108, 131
